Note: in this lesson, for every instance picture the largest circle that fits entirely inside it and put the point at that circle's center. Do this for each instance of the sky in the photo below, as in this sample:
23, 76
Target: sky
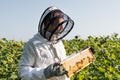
19, 18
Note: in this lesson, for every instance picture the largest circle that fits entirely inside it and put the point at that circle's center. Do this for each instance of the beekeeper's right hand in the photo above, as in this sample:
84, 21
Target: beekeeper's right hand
53, 70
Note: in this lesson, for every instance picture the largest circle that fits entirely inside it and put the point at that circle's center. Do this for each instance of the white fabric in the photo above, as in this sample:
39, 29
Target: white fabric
37, 55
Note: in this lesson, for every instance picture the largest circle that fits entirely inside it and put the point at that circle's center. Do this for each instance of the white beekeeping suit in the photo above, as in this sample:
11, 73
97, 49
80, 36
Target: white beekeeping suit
43, 53
35, 59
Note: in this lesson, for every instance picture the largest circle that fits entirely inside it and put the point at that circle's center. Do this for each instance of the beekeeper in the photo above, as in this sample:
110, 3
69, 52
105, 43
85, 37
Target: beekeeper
43, 53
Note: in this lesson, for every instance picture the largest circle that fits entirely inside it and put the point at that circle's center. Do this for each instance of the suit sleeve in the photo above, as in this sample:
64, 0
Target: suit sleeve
26, 69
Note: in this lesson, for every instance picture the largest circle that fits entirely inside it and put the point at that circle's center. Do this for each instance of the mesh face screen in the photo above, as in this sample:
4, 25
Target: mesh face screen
55, 25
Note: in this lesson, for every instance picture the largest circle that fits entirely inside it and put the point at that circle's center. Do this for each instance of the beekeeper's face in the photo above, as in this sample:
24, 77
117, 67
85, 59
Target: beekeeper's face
55, 24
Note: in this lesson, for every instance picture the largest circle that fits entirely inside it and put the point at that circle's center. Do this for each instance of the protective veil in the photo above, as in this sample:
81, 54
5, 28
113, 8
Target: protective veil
66, 25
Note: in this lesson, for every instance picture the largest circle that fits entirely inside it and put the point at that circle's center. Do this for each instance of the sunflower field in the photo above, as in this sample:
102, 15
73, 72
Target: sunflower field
105, 67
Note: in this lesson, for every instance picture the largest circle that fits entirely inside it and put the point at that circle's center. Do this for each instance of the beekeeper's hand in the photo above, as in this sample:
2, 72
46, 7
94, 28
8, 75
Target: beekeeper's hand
53, 70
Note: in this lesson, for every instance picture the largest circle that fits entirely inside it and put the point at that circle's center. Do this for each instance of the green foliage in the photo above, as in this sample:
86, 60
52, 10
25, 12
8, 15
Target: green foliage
106, 66
10, 52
